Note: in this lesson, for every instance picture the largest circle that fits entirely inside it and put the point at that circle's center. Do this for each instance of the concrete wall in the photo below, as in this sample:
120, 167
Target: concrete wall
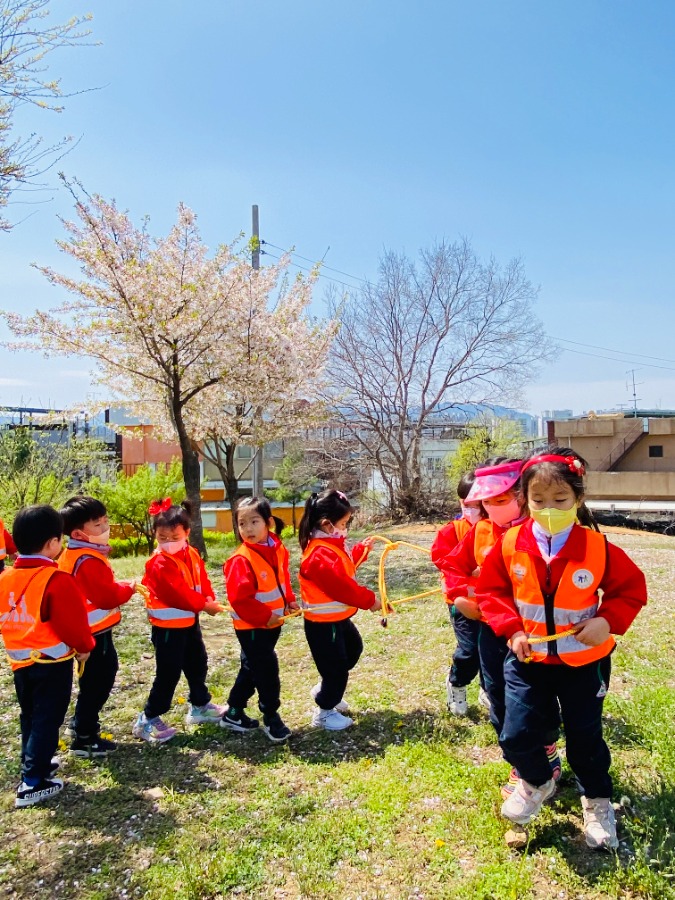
630, 485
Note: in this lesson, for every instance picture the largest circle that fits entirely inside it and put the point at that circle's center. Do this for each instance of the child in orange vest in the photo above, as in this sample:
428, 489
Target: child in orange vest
85, 522
44, 625
259, 590
541, 580
179, 589
465, 660
330, 597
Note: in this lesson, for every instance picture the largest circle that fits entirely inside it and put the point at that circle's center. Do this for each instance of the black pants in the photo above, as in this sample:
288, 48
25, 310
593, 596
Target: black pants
530, 691
96, 684
43, 691
465, 660
258, 670
177, 650
336, 648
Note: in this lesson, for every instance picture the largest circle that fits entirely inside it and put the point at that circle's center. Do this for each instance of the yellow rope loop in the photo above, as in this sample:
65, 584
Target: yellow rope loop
546, 638
387, 604
143, 591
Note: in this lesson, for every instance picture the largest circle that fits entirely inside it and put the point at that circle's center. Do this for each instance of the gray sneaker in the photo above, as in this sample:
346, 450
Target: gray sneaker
599, 823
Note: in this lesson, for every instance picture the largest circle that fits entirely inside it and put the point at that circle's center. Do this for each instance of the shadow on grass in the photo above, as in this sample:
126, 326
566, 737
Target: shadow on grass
370, 736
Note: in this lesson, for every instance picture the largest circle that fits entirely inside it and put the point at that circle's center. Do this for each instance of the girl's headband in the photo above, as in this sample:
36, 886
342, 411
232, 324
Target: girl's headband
160, 506
575, 465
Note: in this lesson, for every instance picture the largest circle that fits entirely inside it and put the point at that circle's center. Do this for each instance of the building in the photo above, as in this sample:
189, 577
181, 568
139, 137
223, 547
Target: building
630, 455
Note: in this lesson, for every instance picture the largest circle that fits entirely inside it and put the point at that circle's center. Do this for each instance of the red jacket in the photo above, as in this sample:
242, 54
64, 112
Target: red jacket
459, 565
241, 584
99, 586
623, 586
166, 582
325, 569
10, 546
63, 606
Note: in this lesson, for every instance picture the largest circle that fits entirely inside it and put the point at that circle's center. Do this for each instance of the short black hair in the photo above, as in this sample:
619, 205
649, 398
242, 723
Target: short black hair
34, 526
464, 485
79, 510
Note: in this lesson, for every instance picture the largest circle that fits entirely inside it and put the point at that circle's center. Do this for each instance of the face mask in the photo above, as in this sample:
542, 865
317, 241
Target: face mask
472, 514
553, 521
504, 514
102, 538
173, 546
339, 532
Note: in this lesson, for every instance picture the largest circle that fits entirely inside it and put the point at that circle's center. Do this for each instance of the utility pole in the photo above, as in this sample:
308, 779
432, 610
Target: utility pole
258, 488
635, 396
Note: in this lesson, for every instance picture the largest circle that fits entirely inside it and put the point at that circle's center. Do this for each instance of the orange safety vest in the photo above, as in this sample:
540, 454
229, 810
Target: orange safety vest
462, 527
3, 548
25, 635
575, 600
270, 591
99, 619
168, 616
327, 609
484, 539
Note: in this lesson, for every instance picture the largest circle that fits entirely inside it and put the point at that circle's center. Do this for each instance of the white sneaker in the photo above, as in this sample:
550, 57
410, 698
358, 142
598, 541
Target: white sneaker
196, 715
331, 720
599, 823
526, 801
483, 699
457, 704
342, 706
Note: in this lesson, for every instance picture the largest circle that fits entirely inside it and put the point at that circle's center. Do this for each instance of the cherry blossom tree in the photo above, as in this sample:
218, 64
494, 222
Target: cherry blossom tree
177, 336
27, 37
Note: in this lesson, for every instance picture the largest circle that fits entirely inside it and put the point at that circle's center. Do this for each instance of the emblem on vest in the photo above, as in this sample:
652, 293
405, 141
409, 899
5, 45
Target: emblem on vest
519, 571
582, 578
263, 574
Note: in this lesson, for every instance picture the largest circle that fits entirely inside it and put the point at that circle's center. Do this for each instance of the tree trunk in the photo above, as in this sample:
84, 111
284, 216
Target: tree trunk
192, 479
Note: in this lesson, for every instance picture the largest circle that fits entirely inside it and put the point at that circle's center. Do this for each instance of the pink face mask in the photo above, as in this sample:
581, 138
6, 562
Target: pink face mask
472, 514
505, 513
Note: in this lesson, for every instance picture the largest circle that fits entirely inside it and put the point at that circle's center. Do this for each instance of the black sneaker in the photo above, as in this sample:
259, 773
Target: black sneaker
27, 795
237, 720
275, 729
91, 747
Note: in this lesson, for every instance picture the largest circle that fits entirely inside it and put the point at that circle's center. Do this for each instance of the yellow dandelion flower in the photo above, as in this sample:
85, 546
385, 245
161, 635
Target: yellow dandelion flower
181, 700
440, 843
62, 744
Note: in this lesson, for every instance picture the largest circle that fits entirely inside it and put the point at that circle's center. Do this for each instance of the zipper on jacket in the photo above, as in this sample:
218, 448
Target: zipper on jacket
549, 604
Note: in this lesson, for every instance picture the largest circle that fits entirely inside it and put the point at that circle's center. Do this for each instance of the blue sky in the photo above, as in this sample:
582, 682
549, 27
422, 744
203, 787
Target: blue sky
537, 130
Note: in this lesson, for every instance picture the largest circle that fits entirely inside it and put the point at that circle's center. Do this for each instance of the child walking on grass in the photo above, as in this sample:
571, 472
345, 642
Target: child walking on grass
178, 590
542, 580
330, 597
259, 590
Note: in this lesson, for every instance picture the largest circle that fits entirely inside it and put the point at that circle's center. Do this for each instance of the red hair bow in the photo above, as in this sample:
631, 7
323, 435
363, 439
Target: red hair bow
159, 506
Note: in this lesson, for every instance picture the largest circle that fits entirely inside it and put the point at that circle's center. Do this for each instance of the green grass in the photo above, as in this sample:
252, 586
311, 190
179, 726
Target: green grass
404, 805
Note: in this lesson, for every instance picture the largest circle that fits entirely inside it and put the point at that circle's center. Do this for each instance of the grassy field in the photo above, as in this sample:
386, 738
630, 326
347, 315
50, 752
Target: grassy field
403, 805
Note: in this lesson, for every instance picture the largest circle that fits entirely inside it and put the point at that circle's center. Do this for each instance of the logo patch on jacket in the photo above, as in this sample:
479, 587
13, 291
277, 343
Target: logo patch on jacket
582, 578
519, 571
263, 574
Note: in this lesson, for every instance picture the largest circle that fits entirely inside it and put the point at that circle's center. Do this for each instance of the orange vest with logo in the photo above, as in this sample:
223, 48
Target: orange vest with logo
169, 616
575, 600
319, 607
27, 638
99, 619
484, 539
3, 548
270, 591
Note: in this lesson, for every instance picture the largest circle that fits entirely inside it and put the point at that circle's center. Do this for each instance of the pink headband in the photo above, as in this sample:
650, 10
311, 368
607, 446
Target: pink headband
491, 481
575, 465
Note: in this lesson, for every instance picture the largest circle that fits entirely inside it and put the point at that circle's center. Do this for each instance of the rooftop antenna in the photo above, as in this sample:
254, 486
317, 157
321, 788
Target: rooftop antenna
632, 372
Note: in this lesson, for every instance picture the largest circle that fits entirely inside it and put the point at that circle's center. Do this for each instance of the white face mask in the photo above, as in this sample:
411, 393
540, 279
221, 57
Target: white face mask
504, 514
472, 514
173, 546
102, 538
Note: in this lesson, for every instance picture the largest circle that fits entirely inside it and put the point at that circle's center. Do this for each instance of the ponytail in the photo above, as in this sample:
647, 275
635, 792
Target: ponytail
332, 505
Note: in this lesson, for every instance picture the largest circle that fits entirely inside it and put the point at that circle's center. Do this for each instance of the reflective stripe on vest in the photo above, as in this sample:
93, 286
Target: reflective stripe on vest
575, 599
70, 561
24, 633
170, 616
265, 576
318, 606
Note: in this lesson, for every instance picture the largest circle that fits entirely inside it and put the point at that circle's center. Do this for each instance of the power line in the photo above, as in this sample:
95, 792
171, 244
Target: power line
631, 355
